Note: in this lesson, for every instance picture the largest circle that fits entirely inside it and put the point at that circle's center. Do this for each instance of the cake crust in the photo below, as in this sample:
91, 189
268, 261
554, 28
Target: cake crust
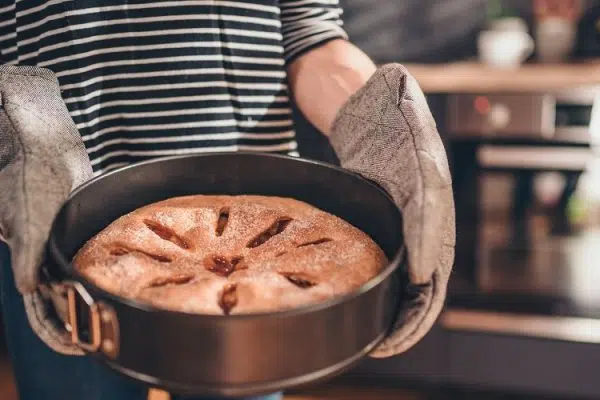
230, 255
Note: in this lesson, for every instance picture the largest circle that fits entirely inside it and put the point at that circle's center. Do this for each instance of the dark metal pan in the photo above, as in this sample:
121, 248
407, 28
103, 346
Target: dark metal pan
239, 355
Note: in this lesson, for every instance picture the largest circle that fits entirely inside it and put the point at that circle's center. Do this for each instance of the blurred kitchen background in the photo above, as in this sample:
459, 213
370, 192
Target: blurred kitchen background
514, 86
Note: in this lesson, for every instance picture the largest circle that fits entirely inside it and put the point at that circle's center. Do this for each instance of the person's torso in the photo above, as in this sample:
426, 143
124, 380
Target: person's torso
147, 78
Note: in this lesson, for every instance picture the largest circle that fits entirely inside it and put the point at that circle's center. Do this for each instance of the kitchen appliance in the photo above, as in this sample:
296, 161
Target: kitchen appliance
228, 355
525, 289
515, 136
560, 117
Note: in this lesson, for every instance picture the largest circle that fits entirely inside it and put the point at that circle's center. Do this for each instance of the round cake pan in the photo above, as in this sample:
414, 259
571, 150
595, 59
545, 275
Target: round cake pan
239, 355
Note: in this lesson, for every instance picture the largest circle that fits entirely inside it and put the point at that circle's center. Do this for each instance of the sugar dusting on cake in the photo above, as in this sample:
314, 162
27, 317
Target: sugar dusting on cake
271, 254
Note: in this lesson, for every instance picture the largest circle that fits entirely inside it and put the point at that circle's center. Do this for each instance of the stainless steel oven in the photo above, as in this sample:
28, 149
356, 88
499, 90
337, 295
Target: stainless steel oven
518, 162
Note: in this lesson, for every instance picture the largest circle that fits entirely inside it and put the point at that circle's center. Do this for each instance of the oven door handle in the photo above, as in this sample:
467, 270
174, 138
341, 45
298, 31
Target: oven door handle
570, 329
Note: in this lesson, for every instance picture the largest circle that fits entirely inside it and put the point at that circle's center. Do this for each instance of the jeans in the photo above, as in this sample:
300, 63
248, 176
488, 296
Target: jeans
42, 374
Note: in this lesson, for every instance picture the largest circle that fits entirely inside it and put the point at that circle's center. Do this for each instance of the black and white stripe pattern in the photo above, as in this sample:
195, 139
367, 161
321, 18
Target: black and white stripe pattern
150, 78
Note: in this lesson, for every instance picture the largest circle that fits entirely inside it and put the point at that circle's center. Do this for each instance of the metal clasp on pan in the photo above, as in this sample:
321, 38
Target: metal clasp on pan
104, 333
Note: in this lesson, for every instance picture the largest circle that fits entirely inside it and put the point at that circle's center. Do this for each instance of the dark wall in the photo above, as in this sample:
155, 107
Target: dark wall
414, 30
421, 30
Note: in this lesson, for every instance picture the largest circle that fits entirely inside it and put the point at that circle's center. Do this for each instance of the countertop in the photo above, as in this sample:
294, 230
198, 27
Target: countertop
474, 77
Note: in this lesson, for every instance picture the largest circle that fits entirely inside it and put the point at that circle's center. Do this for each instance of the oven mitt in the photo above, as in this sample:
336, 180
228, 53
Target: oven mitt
42, 159
386, 133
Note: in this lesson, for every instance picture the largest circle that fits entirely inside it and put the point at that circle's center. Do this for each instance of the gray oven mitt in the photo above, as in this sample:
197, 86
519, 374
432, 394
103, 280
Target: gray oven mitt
386, 133
42, 159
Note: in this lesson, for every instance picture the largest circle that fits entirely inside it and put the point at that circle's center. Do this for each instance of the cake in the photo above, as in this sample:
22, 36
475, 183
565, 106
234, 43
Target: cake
223, 255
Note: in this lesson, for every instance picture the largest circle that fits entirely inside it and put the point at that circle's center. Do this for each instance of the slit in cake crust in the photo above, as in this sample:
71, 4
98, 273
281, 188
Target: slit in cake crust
275, 229
166, 233
300, 280
121, 250
222, 221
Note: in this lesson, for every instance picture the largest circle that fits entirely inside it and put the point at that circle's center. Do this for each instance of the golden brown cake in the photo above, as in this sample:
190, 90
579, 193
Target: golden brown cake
230, 255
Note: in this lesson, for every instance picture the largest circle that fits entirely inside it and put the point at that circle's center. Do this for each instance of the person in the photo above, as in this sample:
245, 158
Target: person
144, 79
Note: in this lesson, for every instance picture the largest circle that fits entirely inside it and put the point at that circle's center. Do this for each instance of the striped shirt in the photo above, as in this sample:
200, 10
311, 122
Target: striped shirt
150, 78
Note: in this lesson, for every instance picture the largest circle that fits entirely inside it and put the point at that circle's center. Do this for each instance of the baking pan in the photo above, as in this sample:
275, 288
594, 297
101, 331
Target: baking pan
237, 355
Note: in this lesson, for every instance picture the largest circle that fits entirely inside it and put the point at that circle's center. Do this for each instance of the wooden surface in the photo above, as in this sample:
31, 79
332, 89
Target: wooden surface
473, 77
338, 393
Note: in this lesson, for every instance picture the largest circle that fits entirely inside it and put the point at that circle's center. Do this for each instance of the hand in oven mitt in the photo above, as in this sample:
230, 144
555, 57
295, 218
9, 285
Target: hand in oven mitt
42, 159
386, 133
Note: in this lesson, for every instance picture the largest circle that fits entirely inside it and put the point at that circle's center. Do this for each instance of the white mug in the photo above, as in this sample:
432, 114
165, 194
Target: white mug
504, 49
508, 24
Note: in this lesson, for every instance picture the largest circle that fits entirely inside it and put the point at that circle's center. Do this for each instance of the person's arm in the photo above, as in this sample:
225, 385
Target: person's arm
323, 67
323, 79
